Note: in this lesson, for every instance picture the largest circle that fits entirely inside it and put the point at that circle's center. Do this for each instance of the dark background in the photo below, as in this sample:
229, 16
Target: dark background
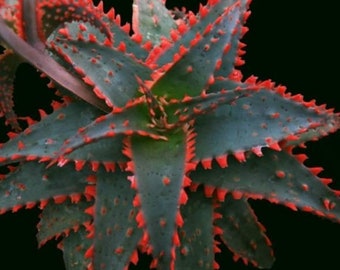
293, 43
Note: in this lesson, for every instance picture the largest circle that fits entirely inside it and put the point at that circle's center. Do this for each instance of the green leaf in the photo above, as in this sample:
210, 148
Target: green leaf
253, 122
32, 144
159, 170
152, 20
226, 84
243, 234
191, 74
116, 229
61, 219
110, 129
74, 247
32, 182
114, 75
102, 25
231, 58
38, 58
196, 235
278, 177
186, 38
103, 151
181, 112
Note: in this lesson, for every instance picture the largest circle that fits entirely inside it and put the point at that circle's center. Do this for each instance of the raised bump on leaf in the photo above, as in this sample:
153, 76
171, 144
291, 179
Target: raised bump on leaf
287, 173
202, 57
149, 217
107, 60
213, 135
9, 62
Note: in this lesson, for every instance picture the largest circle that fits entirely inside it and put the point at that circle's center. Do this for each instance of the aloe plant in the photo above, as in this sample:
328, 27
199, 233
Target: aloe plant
156, 142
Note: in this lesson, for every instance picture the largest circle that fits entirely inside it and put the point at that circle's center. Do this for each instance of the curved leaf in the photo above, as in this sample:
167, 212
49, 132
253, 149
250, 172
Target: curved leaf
61, 219
48, 66
32, 183
278, 177
132, 120
86, 15
181, 112
253, 122
114, 75
243, 234
104, 151
212, 11
190, 75
53, 13
231, 58
33, 144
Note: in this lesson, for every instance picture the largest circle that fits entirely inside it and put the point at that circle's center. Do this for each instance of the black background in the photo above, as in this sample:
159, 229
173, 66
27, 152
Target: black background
293, 43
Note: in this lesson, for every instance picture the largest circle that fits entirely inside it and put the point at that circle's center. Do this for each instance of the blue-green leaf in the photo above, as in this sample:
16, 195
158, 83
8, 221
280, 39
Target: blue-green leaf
192, 73
159, 170
152, 20
110, 72
196, 235
116, 229
243, 234
252, 122
276, 176
32, 144
60, 219
74, 247
32, 183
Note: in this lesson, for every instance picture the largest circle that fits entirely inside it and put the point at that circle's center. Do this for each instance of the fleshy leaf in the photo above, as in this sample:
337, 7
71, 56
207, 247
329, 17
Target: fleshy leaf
174, 109
11, 11
9, 62
32, 183
74, 247
58, 126
232, 58
253, 122
193, 72
152, 20
243, 234
111, 72
180, 112
105, 151
52, 14
278, 177
85, 13
158, 180
116, 229
132, 120
184, 38
48, 66
60, 219
196, 235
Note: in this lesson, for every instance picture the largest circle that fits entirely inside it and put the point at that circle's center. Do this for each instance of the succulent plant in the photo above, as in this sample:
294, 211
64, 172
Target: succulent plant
156, 143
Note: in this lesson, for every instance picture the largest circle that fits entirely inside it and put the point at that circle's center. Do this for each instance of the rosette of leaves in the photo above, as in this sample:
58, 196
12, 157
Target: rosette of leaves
157, 142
